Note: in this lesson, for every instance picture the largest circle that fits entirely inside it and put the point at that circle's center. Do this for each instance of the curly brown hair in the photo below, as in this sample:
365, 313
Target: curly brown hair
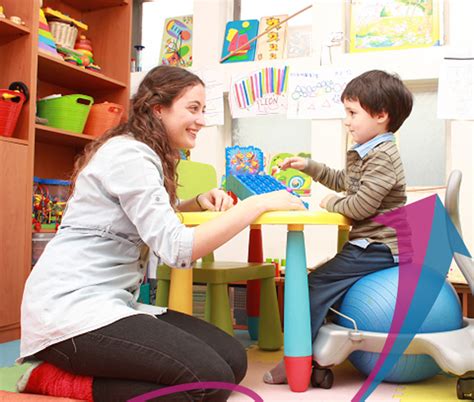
161, 86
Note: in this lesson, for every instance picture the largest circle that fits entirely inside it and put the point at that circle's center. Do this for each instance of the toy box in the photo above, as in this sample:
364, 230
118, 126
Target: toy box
49, 200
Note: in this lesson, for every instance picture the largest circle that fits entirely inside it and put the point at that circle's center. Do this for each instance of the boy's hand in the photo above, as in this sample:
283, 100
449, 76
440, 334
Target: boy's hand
325, 200
295, 162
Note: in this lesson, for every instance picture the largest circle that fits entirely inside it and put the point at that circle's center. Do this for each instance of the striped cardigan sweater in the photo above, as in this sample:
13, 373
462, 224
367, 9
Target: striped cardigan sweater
373, 185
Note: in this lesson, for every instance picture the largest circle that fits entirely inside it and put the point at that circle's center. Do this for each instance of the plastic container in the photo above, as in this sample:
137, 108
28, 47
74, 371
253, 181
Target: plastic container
67, 112
64, 33
11, 103
57, 189
39, 242
102, 117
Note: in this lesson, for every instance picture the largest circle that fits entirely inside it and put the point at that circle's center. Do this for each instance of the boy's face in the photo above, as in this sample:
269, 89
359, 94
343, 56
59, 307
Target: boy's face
361, 125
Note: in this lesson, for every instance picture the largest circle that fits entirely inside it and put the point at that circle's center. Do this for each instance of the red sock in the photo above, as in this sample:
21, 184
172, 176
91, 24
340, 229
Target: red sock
47, 379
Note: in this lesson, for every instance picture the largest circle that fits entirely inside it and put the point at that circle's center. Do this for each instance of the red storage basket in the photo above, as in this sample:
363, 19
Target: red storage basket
11, 103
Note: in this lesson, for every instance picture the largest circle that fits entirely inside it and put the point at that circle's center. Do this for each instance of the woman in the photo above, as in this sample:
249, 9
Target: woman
80, 318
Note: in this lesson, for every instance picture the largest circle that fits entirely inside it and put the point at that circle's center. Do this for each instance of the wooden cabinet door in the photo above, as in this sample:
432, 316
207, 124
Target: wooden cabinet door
14, 237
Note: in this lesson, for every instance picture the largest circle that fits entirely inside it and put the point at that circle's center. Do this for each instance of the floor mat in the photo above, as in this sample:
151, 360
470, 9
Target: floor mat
10, 375
346, 384
441, 388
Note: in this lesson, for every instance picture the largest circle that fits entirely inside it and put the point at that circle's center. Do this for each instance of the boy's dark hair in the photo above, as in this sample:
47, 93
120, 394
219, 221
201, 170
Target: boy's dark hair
378, 91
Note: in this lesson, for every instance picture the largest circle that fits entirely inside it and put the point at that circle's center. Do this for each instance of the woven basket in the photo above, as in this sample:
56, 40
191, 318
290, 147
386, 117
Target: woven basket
64, 33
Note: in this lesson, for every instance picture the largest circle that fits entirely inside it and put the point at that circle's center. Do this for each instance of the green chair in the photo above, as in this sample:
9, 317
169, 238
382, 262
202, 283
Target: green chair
195, 178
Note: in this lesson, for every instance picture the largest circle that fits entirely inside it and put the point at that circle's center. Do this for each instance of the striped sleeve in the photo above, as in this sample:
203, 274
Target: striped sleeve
328, 177
377, 181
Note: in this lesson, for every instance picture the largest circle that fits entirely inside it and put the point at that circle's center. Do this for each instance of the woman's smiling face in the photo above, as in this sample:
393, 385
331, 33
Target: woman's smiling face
185, 117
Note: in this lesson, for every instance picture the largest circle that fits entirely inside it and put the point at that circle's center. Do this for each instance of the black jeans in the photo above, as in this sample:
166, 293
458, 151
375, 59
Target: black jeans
140, 354
329, 282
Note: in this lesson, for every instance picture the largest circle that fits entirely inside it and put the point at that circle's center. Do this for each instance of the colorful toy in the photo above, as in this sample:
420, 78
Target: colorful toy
84, 47
243, 160
78, 57
245, 174
49, 201
51, 13
299, 182
61, 35
46, 41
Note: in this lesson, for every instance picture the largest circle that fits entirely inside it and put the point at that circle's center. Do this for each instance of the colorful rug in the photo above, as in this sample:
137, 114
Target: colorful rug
441, 388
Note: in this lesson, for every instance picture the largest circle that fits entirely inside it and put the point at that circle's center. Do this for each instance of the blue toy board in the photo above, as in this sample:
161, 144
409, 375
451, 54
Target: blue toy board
245, 174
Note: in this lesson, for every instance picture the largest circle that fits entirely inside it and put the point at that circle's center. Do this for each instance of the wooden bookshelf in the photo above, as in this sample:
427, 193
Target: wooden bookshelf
11, 30
47, 152
54, 70
14, 140
51, 135
90, 5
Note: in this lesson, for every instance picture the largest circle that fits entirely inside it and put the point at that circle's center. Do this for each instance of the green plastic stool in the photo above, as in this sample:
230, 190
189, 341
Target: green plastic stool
217, 276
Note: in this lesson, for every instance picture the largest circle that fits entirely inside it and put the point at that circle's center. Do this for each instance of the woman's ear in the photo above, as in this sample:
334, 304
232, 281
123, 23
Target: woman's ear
157, 111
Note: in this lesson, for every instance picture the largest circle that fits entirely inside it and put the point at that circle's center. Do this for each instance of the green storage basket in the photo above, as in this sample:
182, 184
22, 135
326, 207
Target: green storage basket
67, 112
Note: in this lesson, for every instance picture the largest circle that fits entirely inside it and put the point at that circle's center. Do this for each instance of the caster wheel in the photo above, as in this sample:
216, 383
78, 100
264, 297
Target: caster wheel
322, 378
21, 87
465, 388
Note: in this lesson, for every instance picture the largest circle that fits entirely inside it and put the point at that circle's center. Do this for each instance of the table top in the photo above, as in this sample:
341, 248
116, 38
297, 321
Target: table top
275, 218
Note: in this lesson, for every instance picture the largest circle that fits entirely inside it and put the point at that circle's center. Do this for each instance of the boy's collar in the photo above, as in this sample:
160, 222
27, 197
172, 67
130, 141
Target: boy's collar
363, 149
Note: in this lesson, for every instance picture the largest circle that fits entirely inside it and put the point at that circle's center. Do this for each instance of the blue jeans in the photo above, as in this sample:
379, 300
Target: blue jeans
140, 354
329, 282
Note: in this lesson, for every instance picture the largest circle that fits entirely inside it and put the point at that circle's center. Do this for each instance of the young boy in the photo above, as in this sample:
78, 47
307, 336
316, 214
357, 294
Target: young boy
376, 104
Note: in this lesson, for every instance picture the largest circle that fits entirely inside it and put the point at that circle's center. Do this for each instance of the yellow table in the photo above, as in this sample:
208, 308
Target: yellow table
297, 339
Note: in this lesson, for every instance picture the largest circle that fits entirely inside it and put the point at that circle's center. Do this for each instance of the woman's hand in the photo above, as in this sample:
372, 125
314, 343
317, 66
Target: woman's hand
215, 200
278, 201
294, 162
212, 234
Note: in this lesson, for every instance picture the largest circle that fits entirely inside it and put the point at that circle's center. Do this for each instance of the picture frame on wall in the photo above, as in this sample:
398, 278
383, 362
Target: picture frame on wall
376, 25
176, 45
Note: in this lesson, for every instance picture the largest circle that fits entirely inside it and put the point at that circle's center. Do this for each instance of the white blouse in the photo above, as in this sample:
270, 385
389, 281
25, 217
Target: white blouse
90, 273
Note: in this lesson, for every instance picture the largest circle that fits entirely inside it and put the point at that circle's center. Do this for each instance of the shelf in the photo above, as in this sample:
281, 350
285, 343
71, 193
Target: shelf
57, 71
13, 140
51, 135
44, 231
11, 30
90, 5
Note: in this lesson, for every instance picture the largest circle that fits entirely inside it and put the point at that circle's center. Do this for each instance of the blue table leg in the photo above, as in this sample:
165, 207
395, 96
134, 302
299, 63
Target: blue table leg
297, 339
